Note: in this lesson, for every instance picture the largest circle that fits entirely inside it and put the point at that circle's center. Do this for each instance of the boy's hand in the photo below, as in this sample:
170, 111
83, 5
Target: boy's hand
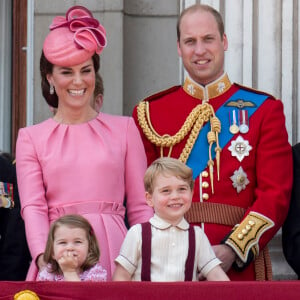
226, 255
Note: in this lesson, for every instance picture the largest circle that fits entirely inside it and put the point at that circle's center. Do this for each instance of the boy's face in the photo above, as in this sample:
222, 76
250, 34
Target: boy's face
171, 198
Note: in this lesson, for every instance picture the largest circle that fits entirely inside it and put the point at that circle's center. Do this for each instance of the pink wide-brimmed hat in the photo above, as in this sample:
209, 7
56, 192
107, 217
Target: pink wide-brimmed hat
75, 38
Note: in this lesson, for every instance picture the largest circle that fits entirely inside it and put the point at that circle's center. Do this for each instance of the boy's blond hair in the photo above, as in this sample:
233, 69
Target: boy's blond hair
167, 166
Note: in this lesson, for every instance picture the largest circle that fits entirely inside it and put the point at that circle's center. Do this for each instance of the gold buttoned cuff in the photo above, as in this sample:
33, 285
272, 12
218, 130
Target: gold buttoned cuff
246, 235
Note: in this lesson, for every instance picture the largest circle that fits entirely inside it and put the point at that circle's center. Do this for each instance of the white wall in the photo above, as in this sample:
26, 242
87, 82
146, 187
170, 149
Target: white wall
150, 55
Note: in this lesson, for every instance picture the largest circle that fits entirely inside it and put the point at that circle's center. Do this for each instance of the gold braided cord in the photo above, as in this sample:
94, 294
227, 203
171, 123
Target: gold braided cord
201, 114
211, 137
216, 127
168, 140
194, 134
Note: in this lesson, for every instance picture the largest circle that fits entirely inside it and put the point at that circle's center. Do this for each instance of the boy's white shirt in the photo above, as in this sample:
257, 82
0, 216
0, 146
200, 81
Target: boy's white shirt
169, 250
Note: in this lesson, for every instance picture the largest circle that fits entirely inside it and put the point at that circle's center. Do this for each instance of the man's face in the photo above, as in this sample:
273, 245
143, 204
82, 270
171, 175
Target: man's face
201, 47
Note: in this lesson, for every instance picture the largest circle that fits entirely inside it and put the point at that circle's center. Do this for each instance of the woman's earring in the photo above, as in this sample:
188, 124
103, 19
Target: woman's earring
51, 89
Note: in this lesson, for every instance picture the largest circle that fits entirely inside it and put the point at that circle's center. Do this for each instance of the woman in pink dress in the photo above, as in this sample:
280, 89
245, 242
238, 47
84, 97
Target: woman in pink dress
80, 161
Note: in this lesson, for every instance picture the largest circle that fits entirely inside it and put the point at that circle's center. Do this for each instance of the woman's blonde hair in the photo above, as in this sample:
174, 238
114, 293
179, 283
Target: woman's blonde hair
167, 166
73, 221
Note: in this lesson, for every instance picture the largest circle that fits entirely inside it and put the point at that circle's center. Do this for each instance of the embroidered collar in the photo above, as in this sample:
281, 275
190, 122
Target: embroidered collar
159, 223
211, 90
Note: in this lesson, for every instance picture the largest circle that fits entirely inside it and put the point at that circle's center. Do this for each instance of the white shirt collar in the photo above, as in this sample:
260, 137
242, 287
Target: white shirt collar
160, 223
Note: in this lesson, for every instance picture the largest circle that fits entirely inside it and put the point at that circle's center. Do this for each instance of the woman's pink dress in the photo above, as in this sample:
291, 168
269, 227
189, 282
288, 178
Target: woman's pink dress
91, 169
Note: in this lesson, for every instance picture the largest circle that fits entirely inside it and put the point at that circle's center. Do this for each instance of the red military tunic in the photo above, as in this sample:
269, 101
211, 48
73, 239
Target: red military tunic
261, 198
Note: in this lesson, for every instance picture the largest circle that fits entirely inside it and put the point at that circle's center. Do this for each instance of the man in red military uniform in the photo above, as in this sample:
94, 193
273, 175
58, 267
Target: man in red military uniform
234, 139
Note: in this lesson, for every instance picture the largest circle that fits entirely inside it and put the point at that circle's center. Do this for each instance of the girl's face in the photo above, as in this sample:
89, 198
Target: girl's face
73, 85
70, 241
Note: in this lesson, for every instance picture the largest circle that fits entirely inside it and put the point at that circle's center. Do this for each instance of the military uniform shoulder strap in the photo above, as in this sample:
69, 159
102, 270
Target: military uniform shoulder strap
249, 89
162, 93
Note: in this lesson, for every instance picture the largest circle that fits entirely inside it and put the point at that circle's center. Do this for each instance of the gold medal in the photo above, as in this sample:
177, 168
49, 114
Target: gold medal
233, 128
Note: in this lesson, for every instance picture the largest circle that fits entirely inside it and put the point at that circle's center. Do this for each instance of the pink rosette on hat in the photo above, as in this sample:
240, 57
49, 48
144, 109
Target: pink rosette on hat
75, 38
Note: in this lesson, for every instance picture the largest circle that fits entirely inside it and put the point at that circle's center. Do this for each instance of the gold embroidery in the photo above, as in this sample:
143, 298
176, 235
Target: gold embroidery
246, 235
211, 90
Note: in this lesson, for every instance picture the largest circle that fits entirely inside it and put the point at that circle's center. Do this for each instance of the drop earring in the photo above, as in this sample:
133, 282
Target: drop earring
51, 91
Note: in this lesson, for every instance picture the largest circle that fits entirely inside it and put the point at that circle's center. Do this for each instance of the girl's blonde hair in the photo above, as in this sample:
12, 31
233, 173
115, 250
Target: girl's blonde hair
167, 166
73, 221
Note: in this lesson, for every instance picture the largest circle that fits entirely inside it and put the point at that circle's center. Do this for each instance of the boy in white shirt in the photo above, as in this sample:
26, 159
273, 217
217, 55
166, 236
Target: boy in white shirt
167, 248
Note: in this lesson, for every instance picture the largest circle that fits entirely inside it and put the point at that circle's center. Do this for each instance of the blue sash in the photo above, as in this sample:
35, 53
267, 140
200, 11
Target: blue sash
199, 155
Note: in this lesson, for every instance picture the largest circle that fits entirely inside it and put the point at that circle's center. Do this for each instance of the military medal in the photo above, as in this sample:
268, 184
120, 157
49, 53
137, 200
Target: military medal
240, 148
244, 127
234, 128
5, 202
6, 194
239, 179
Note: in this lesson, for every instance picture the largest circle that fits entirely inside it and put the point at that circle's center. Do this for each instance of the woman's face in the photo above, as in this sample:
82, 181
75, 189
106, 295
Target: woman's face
73, 85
